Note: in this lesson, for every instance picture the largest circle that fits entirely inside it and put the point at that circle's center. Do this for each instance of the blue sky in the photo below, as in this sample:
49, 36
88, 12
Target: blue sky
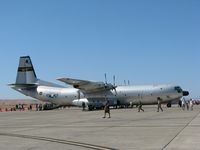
144, 41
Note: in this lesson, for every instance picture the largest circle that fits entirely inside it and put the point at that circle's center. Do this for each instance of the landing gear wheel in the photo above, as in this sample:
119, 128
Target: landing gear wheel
169, 105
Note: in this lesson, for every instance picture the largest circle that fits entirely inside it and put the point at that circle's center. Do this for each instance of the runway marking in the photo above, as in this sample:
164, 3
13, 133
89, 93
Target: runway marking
80, 144
180, 131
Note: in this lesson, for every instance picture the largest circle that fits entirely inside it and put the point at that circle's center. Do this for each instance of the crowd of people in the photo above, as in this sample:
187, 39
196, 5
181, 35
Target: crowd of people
185, 104
23, 107
182, 103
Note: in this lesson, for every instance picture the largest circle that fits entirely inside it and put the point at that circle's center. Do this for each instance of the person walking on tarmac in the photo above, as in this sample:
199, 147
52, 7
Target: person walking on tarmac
140, 106
159, 104
106, 109
83, 106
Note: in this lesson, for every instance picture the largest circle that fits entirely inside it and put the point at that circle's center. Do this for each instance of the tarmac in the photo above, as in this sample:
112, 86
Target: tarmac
127, 129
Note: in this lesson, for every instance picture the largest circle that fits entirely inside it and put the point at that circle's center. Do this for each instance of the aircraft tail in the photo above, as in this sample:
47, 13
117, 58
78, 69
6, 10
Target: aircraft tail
25, 73
26, 77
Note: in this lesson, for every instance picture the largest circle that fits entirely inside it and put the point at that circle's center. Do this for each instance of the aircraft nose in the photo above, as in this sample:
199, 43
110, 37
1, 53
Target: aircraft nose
185, 93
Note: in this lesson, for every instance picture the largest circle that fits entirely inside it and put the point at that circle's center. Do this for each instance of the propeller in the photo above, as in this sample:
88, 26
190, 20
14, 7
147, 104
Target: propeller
114, 86
109, 85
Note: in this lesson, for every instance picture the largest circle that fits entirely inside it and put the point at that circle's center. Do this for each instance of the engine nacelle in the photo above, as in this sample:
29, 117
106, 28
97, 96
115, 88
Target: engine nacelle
79, 102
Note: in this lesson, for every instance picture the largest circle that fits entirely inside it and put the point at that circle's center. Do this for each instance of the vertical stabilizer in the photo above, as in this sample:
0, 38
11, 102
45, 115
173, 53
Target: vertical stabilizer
25, 73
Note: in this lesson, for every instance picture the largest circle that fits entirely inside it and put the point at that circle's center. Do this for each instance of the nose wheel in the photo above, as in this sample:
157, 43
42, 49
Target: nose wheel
169, 105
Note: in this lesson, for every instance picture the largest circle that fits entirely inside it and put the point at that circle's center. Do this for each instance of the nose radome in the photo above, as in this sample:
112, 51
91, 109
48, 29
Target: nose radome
185, 93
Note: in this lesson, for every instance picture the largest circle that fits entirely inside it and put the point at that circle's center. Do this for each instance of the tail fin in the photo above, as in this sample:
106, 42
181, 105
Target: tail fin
25, 73
26, 77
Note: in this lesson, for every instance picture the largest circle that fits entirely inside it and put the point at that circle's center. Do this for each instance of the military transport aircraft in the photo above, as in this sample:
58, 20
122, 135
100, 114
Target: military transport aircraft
91, 93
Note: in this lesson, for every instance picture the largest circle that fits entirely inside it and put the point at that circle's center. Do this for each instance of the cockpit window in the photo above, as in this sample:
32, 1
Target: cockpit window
178, 89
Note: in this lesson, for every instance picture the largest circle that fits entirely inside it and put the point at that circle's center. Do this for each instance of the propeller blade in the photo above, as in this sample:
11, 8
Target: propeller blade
114, 80
105, 78
115, 90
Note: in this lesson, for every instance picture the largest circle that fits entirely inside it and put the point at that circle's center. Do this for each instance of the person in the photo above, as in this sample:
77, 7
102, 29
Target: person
17, 107
179, 103
22, 106
106, 109
191, 104
140, 106
30, 107
37, 107
131, 104
40, 107
159, 104
187, 105
83, 105
183, 103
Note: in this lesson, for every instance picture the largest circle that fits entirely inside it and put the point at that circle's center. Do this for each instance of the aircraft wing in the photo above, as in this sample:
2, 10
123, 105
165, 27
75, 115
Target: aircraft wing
87, 86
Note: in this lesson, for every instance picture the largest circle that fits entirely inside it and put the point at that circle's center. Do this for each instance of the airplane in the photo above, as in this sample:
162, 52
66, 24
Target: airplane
91, 93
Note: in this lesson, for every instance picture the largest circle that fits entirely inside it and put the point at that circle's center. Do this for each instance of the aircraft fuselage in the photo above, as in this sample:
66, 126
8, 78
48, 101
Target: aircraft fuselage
122, 95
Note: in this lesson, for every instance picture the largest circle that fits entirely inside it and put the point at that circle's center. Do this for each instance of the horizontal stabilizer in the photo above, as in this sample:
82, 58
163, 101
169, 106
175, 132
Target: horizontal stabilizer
23, 86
